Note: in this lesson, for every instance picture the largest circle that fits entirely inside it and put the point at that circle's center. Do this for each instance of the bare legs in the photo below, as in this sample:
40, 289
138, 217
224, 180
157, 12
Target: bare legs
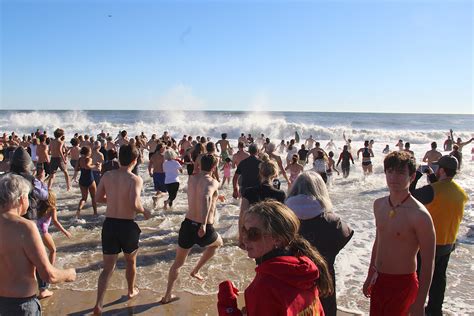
106, 274
84, 192
181, 255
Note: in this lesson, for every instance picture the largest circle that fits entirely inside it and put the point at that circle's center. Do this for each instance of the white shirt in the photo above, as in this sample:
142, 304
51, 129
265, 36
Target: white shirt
171, 170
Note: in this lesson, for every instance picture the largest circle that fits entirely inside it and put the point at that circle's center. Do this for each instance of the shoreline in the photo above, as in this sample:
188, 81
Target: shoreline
75, 303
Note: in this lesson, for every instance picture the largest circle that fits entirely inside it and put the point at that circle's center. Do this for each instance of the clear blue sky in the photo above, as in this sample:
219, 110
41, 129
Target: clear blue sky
357, 56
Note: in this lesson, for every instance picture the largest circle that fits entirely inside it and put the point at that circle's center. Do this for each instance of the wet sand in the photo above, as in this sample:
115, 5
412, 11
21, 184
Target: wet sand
75, 303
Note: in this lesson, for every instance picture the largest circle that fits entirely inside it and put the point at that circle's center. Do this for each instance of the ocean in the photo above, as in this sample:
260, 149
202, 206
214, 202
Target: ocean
352, 197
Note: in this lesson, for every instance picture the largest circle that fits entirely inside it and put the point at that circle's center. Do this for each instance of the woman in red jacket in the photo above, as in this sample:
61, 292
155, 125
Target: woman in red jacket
291, 274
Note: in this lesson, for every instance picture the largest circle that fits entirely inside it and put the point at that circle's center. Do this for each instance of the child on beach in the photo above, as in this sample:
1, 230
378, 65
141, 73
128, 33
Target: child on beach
47, 212
226, 168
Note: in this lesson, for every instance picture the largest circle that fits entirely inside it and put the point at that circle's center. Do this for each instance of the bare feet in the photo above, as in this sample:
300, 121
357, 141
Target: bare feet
134, 293
168, 299
44, 294
97, 311
165, 204
197, 276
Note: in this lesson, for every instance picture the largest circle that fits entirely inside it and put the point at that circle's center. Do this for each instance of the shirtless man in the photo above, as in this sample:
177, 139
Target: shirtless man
432, 155
185, 145
242, 139
314, 152
120, 189
86, 142
225, 146
459, 141
42, 166
22, 252
74, 152
58, 151
404, 227
123, 139
97, 161
239, 155
197, 227
309, 143
155, 170
109, 144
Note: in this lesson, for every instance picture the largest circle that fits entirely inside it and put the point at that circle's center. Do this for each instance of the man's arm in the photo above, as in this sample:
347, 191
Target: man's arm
369, 281
235, 180
100, 196
35, 251
425, 233
135, 192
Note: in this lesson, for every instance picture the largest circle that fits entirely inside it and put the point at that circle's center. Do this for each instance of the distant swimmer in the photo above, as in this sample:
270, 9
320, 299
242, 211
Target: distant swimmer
432, 155
120, 189
86, 179
386, 150
346, 157
58, 151
330, 145
367, 154
309, 143
197, 227
399, 145
224, 145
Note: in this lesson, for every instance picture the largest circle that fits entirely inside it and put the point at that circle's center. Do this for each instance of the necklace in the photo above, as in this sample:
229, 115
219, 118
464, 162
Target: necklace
393, 211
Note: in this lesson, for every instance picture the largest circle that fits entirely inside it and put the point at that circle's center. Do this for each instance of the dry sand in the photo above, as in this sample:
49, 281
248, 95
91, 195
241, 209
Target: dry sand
68, 302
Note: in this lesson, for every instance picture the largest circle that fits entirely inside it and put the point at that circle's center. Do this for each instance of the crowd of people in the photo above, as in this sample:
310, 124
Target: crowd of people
294, 235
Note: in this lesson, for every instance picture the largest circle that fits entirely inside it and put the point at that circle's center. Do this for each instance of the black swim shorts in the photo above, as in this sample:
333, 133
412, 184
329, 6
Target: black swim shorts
20, 306
188, 234
56, 162
119, 235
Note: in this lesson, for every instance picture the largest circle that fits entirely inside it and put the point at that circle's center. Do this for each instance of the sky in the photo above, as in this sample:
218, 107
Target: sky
397, 56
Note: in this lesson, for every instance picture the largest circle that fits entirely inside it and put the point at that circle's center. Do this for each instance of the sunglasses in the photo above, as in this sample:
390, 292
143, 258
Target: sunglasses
253, 233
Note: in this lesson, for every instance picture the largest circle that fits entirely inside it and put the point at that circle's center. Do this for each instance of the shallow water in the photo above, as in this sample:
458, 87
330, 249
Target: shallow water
352, 198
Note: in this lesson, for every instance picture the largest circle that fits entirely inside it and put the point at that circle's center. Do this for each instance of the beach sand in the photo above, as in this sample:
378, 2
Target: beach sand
68, 302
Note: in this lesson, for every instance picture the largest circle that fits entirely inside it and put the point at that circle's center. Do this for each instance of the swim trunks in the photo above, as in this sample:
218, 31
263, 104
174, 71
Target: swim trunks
43, 166
188, 234
393, 294
73, 163
56, 162
119, 235
20, 306
159, 181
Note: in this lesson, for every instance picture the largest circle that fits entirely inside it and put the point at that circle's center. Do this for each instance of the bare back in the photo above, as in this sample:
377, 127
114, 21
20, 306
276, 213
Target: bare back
42, 152
122, 190
202, 197
157, 162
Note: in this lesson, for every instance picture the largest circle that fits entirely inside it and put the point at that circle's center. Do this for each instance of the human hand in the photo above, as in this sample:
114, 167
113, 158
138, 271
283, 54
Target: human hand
147, 214
367, 288
68, 234
235, 194
202, 231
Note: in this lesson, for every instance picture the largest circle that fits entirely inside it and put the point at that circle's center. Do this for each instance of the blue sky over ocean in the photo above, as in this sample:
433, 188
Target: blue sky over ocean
350, 56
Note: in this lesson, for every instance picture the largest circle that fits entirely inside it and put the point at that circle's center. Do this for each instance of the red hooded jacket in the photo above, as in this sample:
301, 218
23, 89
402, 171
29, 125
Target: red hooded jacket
284, 285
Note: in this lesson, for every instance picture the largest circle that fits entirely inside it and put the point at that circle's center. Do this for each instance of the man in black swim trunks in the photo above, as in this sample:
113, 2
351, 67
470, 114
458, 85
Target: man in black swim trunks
197, 227
120, 189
